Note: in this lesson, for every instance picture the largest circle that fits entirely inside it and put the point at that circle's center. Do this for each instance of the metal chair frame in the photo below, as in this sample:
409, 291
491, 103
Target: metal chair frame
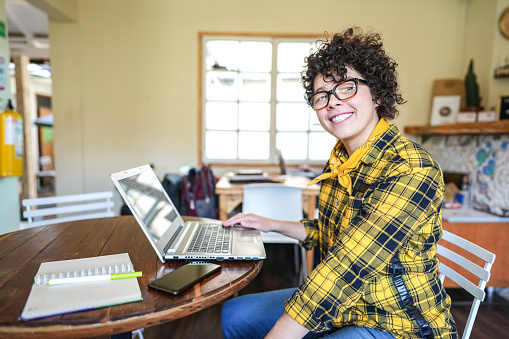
483, 273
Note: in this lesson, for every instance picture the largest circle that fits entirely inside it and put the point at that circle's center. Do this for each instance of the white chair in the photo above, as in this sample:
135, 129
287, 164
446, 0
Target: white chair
483, 273
53, 210
277, 201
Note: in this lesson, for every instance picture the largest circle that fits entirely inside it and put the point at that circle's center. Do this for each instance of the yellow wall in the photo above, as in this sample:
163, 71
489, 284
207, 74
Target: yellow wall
125, 71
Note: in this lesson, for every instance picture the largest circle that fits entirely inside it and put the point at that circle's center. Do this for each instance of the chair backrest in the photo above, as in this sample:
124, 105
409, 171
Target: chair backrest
275, 201
53, 210
477, 290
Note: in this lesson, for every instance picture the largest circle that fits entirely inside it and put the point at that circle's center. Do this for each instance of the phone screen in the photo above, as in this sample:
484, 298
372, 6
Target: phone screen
184, 277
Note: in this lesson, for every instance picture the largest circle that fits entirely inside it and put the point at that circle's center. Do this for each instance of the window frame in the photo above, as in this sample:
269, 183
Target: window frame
274, 38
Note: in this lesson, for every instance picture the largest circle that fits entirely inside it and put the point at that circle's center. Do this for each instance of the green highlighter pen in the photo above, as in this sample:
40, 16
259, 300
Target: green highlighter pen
73, 280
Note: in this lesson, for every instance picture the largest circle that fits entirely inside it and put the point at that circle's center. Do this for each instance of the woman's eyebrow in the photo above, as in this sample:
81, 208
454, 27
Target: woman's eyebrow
320, 89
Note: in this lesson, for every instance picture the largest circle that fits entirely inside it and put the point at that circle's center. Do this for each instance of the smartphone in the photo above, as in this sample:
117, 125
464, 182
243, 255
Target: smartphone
184, 277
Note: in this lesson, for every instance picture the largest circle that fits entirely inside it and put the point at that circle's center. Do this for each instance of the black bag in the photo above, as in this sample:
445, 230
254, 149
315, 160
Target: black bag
172, 184
198, 193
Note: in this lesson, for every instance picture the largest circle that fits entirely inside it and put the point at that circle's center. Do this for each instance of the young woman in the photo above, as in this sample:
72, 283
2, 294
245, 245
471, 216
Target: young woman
379, 216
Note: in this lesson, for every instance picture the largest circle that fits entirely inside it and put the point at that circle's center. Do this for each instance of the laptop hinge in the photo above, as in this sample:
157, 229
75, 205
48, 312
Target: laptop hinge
168, 248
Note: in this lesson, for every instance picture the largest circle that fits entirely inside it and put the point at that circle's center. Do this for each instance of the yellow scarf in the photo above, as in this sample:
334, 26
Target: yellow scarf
341, 170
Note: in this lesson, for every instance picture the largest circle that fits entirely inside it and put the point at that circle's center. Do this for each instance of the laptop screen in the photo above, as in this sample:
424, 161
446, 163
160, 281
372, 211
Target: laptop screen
145, 195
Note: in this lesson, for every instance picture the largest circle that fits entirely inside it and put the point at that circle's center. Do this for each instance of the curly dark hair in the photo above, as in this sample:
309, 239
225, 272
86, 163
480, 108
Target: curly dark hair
365, 54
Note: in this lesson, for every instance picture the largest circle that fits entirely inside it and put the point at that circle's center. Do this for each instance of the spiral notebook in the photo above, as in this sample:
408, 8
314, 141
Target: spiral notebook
45, 301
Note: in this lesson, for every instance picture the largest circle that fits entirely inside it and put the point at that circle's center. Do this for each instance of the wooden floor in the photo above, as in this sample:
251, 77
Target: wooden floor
492, 320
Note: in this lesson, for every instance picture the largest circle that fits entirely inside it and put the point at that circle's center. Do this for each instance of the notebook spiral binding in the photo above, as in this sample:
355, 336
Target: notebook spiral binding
123, 268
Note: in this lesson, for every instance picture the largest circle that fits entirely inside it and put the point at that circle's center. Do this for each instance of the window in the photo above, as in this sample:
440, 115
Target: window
253, 102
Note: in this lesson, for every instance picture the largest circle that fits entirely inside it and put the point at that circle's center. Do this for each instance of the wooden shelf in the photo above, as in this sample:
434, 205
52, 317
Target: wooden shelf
491, 127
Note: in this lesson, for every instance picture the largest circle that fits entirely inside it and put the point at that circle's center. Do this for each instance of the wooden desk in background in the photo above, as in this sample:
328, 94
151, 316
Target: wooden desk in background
230, 195
22, 252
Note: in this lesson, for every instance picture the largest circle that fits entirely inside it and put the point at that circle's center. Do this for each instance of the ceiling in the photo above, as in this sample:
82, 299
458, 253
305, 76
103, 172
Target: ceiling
28, 30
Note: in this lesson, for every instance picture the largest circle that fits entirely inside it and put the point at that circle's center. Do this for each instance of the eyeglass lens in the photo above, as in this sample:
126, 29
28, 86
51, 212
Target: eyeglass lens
342, 91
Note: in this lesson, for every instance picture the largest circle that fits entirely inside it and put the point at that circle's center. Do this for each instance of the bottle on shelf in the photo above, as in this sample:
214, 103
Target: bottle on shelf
463, 197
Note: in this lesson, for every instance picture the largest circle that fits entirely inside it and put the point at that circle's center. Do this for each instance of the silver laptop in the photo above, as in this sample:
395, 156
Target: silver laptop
169, 235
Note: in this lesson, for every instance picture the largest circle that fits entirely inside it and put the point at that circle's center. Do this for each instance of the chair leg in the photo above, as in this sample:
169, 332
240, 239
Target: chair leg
138, 333
296, 259
303, 269
489, 292
471, 318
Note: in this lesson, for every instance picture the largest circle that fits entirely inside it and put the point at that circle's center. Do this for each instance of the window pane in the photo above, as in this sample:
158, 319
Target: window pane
314, 124
221, 115
292, 117
290, 56
221, 86
254, 116
221, 145
254, 145
222, 54
255, 87
293, 145
320, 145
289, 87
243, 120
255, 56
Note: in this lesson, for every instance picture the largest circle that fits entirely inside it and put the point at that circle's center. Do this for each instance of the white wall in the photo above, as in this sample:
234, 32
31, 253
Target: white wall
125, 71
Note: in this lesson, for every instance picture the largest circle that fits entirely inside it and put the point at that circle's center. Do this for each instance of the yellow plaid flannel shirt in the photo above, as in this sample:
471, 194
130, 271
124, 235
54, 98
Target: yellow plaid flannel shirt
394, 209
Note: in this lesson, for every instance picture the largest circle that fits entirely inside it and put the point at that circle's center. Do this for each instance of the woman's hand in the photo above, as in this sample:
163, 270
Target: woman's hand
293, 229
251, 221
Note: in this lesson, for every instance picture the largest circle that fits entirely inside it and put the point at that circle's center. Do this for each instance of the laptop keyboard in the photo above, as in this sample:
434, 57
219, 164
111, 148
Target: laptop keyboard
211, 238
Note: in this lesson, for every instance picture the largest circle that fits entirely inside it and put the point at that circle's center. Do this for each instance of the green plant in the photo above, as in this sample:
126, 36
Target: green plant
471, 87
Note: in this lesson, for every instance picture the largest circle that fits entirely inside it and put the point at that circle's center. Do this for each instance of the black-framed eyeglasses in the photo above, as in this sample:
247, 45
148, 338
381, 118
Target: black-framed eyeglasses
342, 91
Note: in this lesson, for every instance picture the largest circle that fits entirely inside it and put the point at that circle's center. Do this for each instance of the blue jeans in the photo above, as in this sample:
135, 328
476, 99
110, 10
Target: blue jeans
253, 315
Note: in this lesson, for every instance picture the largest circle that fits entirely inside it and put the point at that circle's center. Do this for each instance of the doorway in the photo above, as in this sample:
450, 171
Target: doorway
46, 174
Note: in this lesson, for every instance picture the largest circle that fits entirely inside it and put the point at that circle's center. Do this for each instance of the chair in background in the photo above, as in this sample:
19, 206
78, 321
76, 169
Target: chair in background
277, 201
477, 290
53, 210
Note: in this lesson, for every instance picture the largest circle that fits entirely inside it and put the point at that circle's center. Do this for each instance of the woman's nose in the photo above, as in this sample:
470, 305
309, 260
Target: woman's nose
333, 101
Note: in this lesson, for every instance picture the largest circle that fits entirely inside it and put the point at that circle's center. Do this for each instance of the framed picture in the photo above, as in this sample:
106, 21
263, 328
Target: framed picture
445, 109
503, 107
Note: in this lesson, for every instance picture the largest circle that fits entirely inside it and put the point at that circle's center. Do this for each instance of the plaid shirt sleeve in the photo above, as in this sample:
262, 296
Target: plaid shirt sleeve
394, 209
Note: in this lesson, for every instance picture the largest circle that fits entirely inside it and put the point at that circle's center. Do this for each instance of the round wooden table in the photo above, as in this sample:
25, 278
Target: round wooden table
22, 252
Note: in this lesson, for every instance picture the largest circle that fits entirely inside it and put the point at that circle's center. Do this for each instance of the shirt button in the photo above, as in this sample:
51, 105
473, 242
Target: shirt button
330, 234
337, 202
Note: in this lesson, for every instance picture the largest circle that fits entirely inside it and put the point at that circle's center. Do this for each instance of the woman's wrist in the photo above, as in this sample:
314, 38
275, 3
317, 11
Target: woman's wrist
293, 229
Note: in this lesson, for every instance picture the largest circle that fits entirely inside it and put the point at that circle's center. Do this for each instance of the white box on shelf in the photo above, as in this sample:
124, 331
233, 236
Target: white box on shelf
487, 116
466, 117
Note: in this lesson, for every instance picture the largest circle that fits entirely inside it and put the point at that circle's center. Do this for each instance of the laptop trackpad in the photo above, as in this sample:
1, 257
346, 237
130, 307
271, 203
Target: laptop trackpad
247, 238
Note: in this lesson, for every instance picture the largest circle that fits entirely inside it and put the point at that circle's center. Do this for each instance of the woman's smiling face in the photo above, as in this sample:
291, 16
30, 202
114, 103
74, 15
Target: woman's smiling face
351, 120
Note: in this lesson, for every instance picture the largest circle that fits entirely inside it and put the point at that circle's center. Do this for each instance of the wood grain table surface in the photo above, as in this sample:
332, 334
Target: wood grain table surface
22, 252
